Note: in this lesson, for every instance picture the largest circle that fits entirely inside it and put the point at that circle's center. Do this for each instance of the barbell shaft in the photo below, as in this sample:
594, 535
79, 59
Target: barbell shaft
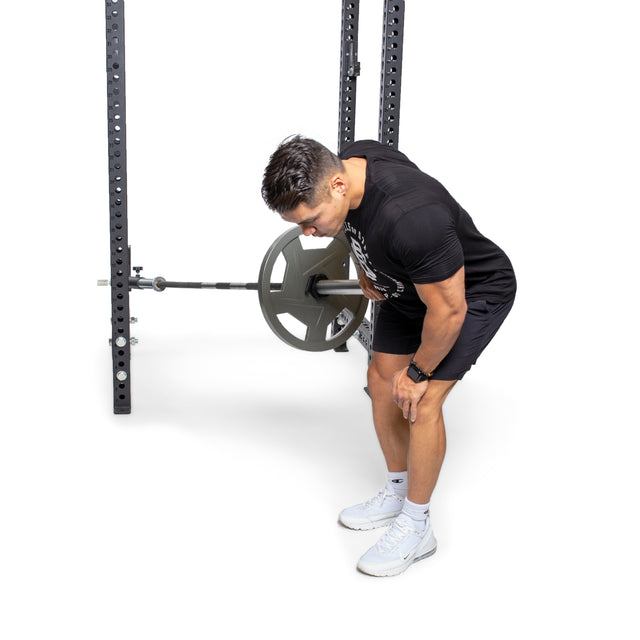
323, 287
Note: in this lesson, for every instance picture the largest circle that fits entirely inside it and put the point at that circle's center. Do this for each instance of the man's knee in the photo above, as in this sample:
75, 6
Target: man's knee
430, 406
383, 367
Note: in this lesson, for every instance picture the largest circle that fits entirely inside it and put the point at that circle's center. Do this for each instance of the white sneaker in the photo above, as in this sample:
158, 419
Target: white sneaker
379, 511
400, 546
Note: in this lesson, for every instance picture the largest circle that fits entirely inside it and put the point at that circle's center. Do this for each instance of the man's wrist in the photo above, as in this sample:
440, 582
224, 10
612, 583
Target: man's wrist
416, 373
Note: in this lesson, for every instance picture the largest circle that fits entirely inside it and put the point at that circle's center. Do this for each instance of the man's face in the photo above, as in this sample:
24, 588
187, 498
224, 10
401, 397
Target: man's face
325, 219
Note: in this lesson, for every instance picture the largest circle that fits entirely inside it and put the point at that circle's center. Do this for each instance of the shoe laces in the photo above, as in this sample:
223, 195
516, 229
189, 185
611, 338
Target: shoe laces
379, 499
399, 529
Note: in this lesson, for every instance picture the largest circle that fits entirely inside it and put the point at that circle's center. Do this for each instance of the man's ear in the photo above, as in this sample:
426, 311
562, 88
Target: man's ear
337, 184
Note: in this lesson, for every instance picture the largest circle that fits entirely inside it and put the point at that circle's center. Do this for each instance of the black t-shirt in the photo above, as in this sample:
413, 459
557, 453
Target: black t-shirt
408, 229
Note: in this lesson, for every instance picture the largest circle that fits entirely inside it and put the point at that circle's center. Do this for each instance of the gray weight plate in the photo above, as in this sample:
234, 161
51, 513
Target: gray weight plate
315, 314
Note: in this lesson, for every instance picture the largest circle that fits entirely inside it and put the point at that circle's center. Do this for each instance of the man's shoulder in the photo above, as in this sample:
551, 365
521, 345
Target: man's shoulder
361, 148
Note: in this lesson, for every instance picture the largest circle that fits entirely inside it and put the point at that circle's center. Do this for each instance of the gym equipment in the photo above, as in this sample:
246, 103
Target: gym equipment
314, 290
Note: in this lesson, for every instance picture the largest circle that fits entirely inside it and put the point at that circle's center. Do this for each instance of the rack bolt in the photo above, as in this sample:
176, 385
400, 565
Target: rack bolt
121, 341
121, 375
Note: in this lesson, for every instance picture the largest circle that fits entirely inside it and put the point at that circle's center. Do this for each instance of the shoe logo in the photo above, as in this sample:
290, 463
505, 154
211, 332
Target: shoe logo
397, 481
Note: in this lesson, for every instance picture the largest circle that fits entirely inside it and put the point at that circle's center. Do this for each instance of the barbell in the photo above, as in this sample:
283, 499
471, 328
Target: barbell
314, 291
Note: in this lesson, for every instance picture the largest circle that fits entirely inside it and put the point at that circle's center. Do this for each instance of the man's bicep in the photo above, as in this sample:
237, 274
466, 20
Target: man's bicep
446, 296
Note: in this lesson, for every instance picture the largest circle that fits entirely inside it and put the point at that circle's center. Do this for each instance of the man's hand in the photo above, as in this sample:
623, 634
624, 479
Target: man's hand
368, 289
407, 393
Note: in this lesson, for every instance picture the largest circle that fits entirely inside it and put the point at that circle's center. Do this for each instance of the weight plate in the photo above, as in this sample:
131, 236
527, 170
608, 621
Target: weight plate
316, 314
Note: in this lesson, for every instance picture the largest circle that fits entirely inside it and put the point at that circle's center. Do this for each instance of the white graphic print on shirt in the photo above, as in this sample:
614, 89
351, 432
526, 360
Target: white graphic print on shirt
389, 287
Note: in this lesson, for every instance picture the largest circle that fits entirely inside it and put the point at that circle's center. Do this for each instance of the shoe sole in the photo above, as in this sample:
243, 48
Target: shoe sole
366, 526
394, 571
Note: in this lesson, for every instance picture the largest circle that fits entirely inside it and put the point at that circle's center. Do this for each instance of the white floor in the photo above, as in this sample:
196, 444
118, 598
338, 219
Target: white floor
213, 505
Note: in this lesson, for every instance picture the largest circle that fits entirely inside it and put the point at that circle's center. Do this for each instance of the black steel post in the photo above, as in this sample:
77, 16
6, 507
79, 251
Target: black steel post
120, 254
349, 72
391, 72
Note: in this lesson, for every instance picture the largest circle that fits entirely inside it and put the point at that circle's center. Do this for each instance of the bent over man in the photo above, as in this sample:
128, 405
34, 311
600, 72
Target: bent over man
444, 289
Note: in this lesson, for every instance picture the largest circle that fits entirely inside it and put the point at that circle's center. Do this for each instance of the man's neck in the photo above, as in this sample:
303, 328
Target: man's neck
356, 174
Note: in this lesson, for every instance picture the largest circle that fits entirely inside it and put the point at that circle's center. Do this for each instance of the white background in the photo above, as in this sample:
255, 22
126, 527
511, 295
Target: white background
210, 511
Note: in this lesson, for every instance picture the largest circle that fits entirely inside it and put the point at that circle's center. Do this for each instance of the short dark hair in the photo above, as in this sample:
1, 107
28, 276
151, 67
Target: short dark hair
296, 173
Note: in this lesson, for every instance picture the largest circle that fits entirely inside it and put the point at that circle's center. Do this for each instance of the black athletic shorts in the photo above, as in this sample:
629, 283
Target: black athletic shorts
394, 332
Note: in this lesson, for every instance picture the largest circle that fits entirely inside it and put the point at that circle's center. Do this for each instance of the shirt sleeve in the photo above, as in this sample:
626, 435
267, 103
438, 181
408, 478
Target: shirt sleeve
425, 243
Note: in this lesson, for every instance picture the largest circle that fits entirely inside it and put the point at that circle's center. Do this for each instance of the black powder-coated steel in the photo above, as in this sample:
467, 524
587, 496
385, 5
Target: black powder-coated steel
391, 72
120, 254
349, 72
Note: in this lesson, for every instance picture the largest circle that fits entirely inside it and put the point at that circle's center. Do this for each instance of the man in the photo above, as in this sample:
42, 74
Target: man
444, 289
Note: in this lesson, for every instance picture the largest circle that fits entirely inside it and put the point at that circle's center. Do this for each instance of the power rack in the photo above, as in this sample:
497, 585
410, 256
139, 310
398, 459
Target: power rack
122, 282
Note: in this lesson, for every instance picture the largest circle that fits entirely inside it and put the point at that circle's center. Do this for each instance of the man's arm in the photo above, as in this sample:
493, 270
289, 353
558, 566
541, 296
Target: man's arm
446, 311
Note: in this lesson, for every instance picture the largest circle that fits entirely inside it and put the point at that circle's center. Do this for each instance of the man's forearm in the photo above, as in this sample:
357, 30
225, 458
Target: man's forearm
439, 333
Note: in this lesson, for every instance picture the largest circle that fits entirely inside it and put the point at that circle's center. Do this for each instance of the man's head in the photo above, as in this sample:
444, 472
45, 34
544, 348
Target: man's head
304, 182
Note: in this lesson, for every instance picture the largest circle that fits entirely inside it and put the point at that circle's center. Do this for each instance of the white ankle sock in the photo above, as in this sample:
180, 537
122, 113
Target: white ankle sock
397, 482
419, 513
